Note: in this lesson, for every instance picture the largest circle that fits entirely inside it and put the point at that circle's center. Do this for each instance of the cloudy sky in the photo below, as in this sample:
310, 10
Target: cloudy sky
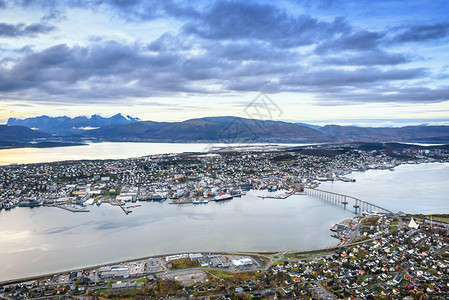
360, 61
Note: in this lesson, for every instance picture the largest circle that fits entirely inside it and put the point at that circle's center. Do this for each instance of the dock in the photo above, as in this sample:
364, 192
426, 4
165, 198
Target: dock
71, 209
124, 209
282, 196
114, 202
182, 201
277, 196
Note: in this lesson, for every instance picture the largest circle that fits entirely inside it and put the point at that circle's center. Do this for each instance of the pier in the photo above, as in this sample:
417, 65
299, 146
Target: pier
115, 202
123, 208
344, 200
70, 208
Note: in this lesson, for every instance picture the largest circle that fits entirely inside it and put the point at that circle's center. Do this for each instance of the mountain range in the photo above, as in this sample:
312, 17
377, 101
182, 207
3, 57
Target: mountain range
69, 126
210, 129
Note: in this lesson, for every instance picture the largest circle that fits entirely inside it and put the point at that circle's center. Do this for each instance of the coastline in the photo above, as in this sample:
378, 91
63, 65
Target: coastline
7, 145
281, 253
132, 259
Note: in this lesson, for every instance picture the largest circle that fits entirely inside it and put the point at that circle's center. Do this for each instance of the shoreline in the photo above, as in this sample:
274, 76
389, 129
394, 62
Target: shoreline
220, 147
128, 260
337, 245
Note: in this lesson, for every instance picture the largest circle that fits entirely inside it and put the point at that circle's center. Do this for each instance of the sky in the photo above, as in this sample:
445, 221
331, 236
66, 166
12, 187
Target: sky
382, 62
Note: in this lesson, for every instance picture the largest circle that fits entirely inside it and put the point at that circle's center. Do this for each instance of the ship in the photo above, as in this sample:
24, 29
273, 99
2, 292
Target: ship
237, 193
31, 203
223, 197
133, 206
334, 227
200, 201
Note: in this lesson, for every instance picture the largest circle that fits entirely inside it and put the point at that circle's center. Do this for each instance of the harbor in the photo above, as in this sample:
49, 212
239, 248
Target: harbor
294, 222
198, 178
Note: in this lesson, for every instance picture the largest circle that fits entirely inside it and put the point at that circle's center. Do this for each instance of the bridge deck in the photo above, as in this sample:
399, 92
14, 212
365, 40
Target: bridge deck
357, 200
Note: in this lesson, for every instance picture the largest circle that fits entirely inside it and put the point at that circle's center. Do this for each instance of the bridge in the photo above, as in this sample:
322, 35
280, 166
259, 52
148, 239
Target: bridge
344, 200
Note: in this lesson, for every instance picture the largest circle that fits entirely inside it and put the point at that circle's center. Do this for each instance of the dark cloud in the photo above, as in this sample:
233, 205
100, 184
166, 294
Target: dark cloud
107, 70
252, 51
355, 41
232, 45
253, 84
104, 70
18, 30
423, 33
35, 3
248, 21
371, 58
133, 10
392, 95
352, 78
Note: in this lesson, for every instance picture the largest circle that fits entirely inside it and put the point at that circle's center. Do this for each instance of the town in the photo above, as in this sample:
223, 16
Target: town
197, 177
393, 257
381, 254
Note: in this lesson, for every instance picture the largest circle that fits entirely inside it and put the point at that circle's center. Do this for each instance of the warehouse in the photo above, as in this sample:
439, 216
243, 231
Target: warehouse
242, 262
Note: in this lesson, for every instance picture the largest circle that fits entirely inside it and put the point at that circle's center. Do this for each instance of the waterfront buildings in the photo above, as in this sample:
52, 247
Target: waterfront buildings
191, 176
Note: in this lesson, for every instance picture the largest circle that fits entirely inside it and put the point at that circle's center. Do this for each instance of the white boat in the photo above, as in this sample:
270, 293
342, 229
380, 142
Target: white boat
200, 201
89, 201
223, 197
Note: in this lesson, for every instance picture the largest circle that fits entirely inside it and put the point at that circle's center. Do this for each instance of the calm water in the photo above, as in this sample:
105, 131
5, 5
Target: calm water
107, 150
420, 188
42, 240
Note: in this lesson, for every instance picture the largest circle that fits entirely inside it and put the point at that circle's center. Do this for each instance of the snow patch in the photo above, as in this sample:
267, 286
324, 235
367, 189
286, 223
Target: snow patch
85, 128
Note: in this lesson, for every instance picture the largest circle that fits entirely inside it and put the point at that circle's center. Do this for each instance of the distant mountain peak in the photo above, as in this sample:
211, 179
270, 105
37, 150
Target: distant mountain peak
64, 125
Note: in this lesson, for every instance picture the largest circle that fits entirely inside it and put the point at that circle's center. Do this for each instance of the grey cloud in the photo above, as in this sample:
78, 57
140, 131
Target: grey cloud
53, 14
104, 70
25, 49
18, 30
240, 20
252, 51
371, 58
169, 43
423, 33
358, 41
338, 77
146, 9
398, 95
110, 71
134, 10
254, 84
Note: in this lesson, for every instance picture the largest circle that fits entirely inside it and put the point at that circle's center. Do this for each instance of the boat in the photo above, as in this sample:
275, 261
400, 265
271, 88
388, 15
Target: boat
223, 197
200, 201
238, 193
98, 202
89, 201
133, 206
31, 203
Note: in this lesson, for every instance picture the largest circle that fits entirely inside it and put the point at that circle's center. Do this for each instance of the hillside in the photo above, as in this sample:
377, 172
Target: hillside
215, 129
430, 134
225, 129
14, 133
